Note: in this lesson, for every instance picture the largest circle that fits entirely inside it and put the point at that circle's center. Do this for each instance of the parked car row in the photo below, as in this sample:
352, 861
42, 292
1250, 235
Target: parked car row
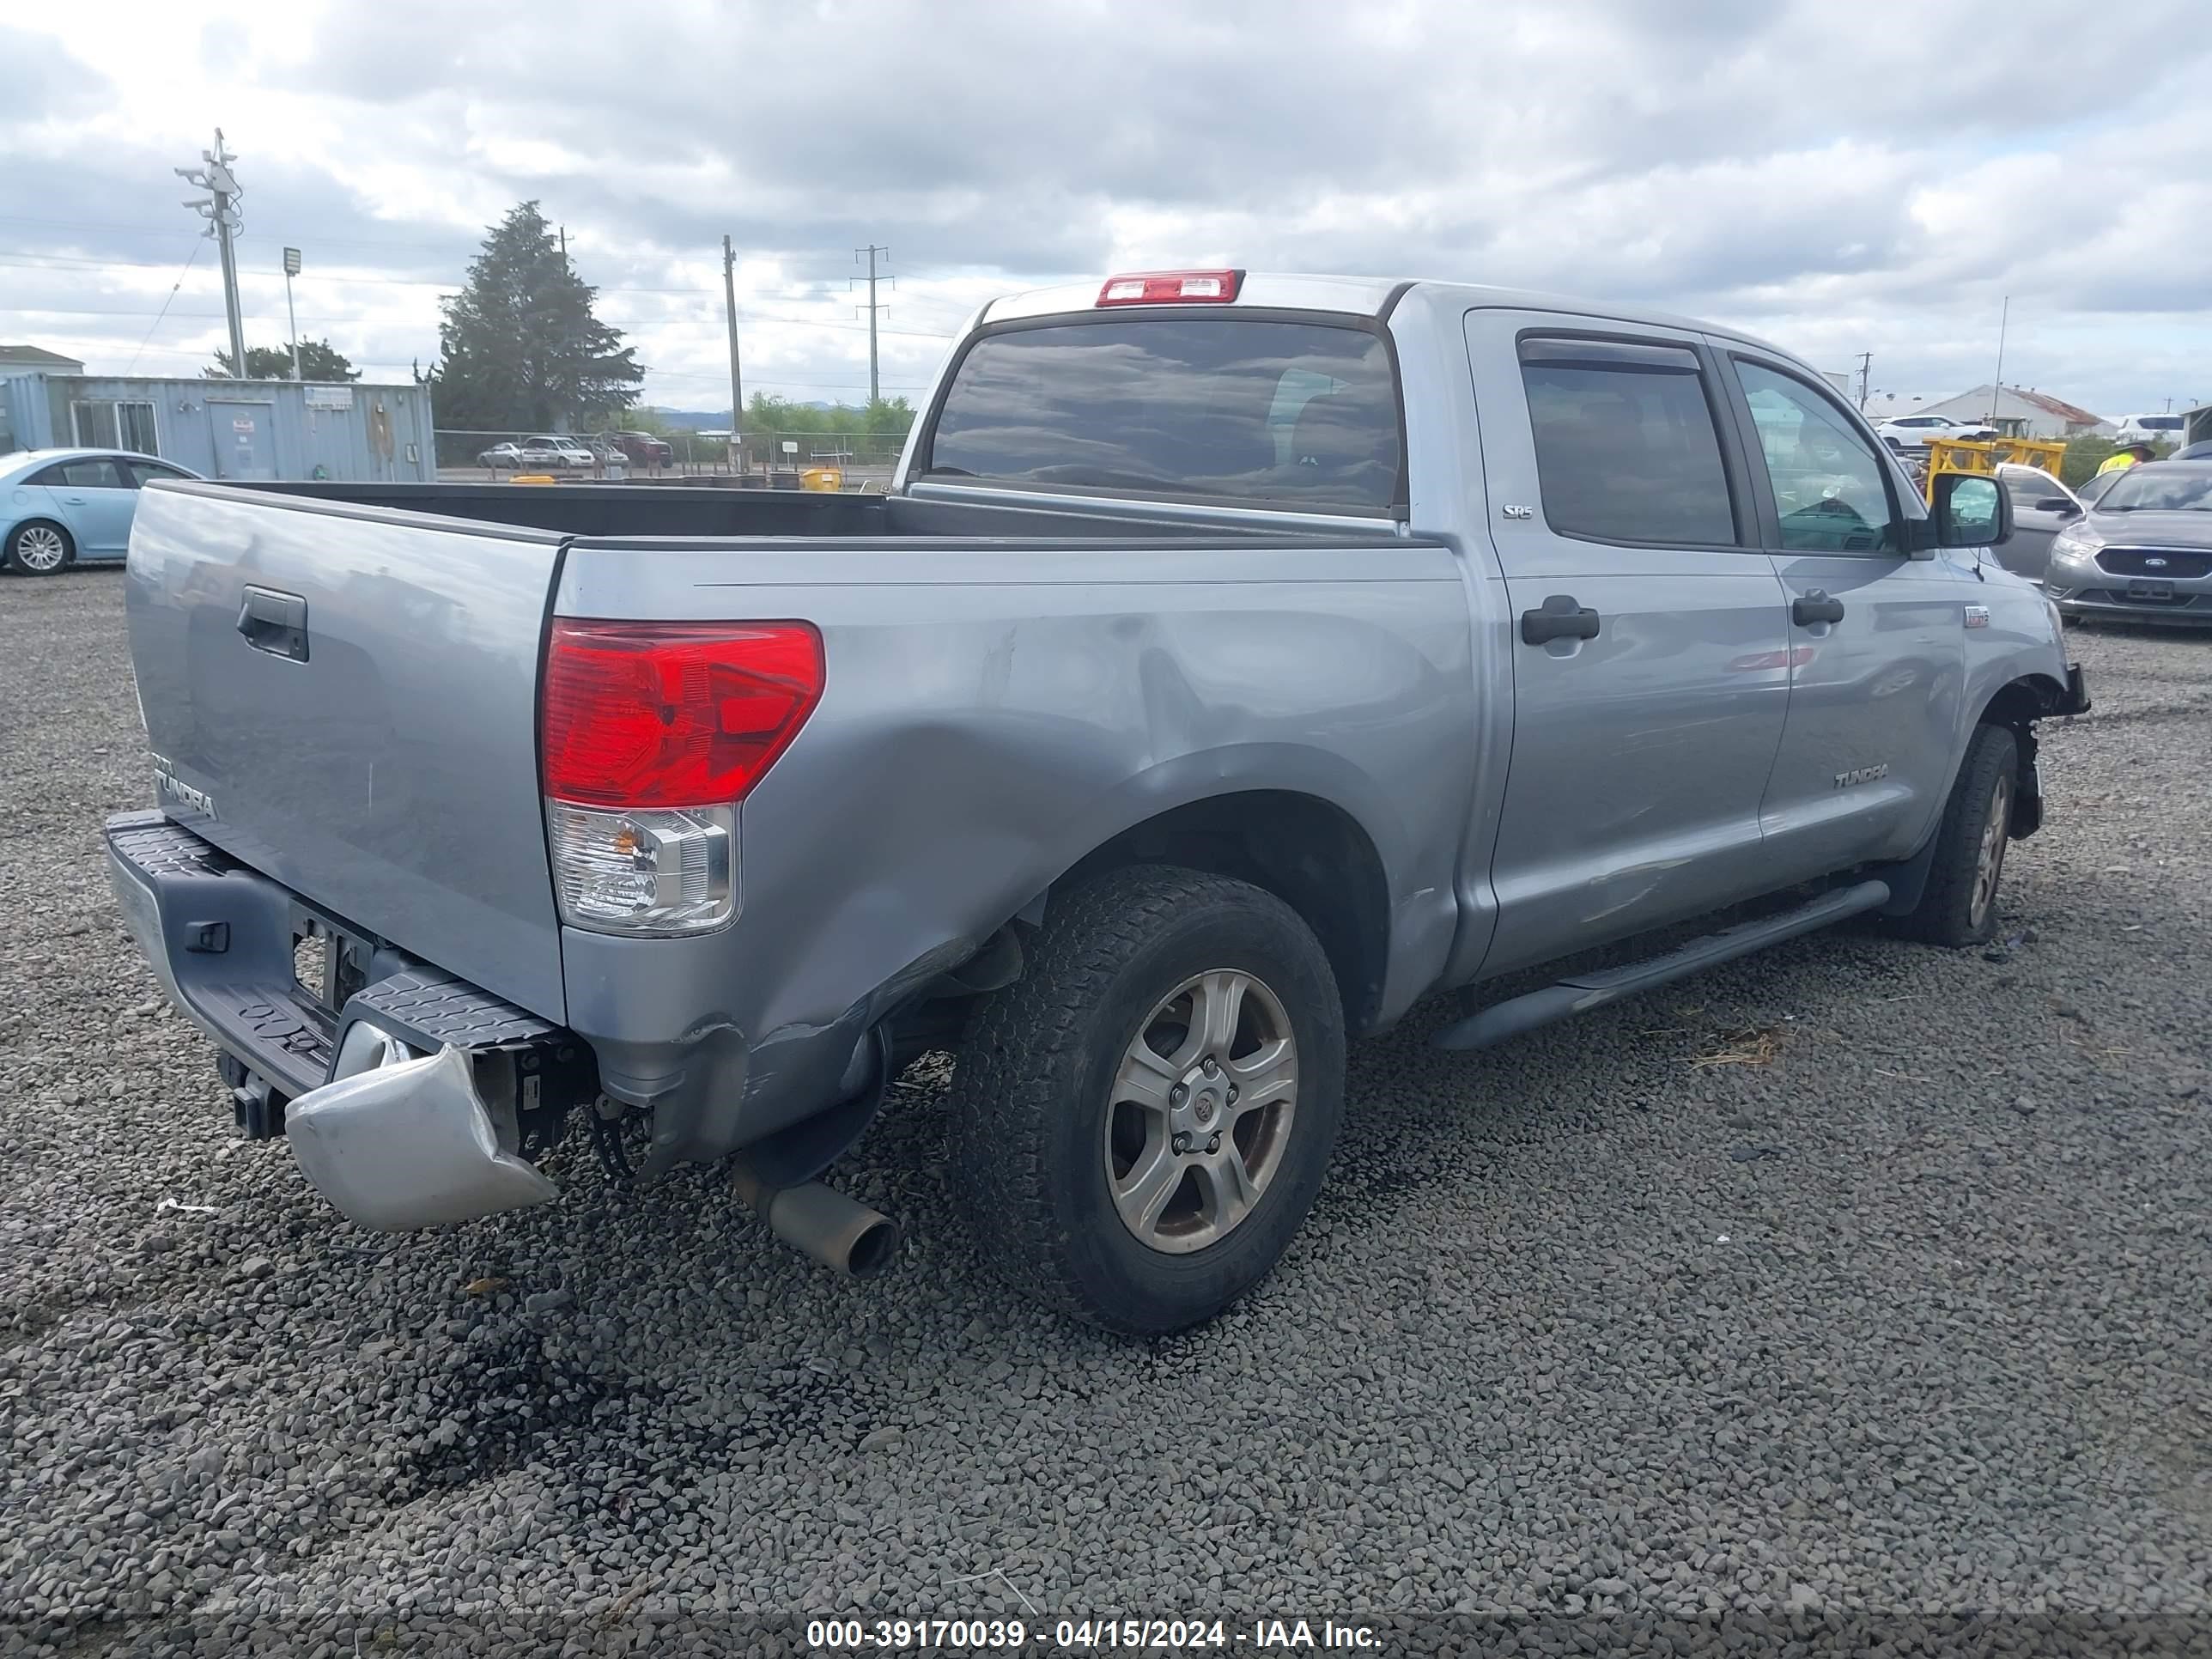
57, 506
548, 454
573, 453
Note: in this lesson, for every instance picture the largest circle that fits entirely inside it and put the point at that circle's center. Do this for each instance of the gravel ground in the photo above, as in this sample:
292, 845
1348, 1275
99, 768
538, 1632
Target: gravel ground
1855, 1278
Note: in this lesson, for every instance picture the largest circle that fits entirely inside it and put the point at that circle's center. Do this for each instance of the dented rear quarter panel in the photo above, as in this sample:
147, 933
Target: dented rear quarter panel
990, 716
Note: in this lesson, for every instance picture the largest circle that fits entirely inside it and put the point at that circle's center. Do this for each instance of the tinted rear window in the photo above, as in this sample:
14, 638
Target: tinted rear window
1242, 409
1627, 452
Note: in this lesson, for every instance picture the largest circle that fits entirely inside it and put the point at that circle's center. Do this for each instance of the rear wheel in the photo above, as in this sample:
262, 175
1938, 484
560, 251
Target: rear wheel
38, 548
1146, 1113
1959, 906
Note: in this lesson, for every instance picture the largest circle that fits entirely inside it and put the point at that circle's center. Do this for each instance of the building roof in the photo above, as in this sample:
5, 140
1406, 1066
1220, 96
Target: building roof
30, 356
2017, 403
2072, 414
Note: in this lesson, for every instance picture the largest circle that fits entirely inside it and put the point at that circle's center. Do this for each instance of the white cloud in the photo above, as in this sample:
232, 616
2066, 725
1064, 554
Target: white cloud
1838, 178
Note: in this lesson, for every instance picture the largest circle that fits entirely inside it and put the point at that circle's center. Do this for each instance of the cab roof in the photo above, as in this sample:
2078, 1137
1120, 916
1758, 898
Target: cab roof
1357, 296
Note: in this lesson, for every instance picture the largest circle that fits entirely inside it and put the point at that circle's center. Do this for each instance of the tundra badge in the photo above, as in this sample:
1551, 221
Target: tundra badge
167, 783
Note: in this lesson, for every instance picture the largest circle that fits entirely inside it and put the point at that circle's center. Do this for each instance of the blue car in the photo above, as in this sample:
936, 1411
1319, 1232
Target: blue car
57, 506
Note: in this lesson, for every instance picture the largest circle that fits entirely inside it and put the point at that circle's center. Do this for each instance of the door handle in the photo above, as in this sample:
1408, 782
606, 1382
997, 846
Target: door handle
1815, 607
274, 623
72, 500
1559, 618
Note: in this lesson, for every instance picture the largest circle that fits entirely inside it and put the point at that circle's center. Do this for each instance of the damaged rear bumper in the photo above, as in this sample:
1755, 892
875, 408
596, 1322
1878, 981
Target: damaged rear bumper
406, 1103
409, 1144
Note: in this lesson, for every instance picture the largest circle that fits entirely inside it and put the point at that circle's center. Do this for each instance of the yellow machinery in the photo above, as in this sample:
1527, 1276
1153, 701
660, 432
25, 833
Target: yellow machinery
1945, 455
831, 478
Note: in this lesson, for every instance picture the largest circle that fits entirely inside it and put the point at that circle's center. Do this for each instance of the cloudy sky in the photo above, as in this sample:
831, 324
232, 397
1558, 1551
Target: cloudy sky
1841, 177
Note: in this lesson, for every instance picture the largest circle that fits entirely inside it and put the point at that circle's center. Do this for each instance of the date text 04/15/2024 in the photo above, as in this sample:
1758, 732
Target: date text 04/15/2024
1084, 1635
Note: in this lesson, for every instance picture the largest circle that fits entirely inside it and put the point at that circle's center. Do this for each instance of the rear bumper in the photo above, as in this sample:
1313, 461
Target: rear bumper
384, 1098
646, 1020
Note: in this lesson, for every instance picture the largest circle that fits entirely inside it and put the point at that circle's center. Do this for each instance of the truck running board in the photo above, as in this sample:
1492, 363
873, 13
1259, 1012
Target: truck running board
1584, 991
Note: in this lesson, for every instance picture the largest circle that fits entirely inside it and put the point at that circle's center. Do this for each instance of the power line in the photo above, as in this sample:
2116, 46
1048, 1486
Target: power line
164, 311
32, 259
366, 322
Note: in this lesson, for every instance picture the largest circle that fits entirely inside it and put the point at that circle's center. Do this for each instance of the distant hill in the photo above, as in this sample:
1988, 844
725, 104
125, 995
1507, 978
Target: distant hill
718, 420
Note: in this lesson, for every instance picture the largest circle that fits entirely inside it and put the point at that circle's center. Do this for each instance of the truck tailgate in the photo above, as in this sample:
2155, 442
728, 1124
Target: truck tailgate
347, 701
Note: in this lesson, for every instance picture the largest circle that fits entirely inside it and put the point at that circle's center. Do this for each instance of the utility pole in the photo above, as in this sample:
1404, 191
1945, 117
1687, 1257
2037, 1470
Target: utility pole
220, 209
291, 317
1997, 396
737, 378
875, 385
1866, 368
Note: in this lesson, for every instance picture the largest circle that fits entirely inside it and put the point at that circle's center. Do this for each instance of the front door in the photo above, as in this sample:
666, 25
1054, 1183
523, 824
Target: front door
1650, 647
245, 440
1877, 638
2041, 507
95, 499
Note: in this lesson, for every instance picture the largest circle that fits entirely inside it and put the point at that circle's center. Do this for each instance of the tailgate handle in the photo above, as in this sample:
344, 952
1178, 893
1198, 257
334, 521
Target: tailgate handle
274, 623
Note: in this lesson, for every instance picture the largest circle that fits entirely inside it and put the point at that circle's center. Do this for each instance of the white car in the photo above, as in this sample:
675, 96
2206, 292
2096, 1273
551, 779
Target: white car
2161, 429
1914, 430
556, 452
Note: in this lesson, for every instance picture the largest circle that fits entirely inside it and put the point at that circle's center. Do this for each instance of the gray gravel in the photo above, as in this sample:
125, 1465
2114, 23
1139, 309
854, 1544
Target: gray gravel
1856, 1277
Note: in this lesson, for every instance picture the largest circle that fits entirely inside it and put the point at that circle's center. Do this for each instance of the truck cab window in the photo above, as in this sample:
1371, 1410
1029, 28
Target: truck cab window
1626, 450
1229, 408
1830, 487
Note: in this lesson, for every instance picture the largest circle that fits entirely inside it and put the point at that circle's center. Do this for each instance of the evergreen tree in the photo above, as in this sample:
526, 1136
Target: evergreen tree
519, 349
318, 361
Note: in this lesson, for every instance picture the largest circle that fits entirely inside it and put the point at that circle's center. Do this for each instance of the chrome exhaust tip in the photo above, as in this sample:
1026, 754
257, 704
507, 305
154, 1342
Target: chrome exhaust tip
822, 1223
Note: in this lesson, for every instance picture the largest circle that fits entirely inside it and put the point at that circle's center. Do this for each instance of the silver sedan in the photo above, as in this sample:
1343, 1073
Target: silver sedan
2142, 552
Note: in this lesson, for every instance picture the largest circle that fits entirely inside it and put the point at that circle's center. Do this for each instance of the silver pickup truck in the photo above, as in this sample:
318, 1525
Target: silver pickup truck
1235, 660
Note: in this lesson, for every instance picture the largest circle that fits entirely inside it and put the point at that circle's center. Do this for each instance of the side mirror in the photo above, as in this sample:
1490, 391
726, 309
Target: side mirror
2059, 505
1971, 510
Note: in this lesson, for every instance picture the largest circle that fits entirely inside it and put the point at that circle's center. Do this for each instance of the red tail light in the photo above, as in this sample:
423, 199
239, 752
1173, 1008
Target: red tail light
1171, 287
657, 714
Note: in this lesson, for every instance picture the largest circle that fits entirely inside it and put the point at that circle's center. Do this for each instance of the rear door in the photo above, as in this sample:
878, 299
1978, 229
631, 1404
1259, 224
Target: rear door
349, 698
1877, 638
1650, 651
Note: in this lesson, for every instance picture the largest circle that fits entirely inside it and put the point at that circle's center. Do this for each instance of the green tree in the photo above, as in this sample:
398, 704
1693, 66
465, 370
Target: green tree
318, 361
520, 347
2083, 456
638, 419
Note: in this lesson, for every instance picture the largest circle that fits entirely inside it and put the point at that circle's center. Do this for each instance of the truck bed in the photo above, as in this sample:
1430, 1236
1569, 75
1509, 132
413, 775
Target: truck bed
341, 680
636, 512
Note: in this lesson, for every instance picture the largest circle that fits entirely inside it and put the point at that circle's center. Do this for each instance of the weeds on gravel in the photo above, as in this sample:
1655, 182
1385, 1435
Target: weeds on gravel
1746, 1046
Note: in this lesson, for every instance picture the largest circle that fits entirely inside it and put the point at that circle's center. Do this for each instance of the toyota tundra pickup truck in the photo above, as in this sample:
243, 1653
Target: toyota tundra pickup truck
1235, 660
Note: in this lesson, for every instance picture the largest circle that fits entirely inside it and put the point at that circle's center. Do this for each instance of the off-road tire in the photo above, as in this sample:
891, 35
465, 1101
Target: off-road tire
1038, 1064
1949, 913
